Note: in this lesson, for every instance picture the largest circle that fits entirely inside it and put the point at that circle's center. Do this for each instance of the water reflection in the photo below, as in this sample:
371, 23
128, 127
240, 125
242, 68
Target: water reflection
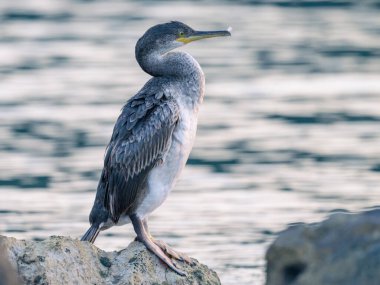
288, 131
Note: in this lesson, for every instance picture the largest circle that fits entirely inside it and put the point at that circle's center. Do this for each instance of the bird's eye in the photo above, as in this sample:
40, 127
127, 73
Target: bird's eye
181, 34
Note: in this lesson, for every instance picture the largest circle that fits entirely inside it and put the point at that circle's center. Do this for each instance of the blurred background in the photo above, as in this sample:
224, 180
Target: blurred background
288, 132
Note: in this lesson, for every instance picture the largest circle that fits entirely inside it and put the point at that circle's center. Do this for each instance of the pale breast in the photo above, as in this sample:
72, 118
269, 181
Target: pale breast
162, 178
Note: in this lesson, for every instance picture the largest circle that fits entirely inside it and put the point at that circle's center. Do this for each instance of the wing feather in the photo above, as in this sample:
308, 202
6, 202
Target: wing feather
141, 137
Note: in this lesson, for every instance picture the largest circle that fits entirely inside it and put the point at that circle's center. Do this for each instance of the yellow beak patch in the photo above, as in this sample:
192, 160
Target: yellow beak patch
202, 35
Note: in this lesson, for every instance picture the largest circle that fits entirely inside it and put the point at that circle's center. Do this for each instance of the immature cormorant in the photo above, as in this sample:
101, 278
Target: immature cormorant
152, 137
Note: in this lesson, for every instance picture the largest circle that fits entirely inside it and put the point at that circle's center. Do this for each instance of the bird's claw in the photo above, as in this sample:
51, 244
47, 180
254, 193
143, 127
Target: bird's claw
174, 266
165, 257
179, 271
174, 254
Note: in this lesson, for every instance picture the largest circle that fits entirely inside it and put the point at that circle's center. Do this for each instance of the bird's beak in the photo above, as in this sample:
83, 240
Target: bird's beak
198, 35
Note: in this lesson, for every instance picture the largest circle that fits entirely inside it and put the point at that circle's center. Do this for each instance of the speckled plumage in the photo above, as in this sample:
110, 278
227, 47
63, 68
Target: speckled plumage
153, 135
143, 133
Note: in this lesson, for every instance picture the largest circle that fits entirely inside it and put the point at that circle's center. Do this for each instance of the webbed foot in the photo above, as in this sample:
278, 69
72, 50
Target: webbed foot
173, 254
150, 244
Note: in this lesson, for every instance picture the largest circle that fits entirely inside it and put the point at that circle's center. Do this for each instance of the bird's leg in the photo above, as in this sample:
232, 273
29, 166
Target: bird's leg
145, 224
146, 239
166, 248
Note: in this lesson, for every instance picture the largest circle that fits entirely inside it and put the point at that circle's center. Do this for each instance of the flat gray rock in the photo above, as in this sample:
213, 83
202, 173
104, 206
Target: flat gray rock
62, 260
342, 250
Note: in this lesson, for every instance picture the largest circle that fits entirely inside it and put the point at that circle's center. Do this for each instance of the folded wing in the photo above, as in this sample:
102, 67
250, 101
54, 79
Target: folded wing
140, 139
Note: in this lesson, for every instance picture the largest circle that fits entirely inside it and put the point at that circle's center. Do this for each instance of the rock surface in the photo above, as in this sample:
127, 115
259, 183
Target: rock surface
8, 275
343, 250
62, 260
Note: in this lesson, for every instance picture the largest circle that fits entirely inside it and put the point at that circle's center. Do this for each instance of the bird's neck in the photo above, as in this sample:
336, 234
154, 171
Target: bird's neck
168, 64
178, 66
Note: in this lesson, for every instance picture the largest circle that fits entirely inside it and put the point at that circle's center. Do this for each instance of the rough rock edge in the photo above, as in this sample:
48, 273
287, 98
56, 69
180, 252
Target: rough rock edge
62, 260
342, 250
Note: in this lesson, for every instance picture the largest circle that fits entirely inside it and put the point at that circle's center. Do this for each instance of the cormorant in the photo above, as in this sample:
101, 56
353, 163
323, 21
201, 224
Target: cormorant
152, 137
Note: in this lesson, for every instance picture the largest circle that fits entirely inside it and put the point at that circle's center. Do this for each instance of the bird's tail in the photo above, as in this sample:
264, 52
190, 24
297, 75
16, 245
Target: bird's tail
91, 234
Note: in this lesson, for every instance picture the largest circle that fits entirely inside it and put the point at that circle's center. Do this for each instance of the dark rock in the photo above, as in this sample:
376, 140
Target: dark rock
342, 250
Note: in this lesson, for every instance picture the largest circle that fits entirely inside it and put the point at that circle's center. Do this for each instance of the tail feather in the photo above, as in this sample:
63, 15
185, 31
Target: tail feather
91, 234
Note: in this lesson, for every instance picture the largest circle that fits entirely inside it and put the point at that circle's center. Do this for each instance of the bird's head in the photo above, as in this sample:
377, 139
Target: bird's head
168, 36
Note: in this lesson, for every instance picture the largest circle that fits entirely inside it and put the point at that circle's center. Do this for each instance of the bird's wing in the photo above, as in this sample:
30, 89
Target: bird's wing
141, 137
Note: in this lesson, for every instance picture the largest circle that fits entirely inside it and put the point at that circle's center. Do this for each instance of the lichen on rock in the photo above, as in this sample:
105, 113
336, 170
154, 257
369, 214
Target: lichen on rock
62, 260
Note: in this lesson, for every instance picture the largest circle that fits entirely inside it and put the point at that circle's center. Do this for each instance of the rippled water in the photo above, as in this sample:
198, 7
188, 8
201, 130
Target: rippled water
289, 129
